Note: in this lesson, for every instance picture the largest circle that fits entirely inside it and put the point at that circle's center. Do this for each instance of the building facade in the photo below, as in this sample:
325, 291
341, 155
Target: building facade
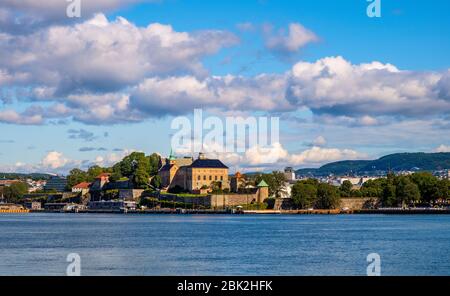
82, 187
56, 183
193, 175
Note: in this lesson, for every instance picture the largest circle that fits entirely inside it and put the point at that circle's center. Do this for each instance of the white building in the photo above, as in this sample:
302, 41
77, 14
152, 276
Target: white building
289, 173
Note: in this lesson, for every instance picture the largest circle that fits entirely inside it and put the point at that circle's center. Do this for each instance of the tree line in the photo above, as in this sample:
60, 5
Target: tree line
392, 191
311, 193
136, 167
417, 188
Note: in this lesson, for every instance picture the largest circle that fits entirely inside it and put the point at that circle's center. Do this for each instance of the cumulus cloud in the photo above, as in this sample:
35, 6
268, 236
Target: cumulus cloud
54, 160
442, 148
353, 120
98, 55
318, 141
317, 155
24, 16
291, 42
335, 86
109, 72
276, 156
57, 162
111, 158
177, 95
332, 88
13, 117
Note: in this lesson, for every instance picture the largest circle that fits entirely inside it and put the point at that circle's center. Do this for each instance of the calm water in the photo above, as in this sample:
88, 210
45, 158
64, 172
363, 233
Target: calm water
37, 244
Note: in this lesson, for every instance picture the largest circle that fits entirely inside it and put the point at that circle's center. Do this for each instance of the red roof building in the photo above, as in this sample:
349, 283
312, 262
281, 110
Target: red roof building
81, 187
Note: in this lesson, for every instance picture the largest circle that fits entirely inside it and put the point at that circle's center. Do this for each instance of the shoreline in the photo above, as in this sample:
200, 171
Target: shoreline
250, 212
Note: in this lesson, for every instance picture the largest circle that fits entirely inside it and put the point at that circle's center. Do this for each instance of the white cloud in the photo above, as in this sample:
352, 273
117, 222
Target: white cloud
317, 155
54, 160
334, 86
442, 148
276, 156
135, 73
296, 38
99, 55
177, 95
57, 162
111, 158
319, 141
13, 117
24, 16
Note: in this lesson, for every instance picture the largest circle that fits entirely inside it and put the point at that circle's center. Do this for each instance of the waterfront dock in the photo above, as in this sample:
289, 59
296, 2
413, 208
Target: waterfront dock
407, 211
385, 211
14, 211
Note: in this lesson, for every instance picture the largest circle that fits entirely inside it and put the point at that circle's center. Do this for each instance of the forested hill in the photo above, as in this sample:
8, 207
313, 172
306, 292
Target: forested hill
394, 162
34, 176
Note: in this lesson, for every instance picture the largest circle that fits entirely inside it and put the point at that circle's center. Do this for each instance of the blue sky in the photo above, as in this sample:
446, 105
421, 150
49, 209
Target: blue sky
57, 128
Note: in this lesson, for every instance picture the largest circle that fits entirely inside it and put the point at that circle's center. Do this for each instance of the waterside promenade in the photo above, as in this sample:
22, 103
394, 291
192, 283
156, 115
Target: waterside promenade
387, 211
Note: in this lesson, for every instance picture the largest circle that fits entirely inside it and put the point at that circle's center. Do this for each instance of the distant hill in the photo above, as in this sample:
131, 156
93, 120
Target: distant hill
395, 162
34, 176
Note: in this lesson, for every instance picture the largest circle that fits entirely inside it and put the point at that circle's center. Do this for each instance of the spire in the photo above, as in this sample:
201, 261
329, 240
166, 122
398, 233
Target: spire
171, 156
262, 184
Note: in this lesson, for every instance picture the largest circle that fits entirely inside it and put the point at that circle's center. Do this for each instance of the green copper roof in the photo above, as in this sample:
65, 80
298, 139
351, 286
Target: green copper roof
262, 184
171, 156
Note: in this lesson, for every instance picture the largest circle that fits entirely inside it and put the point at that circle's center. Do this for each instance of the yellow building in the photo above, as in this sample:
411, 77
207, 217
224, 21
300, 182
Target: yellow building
193, 175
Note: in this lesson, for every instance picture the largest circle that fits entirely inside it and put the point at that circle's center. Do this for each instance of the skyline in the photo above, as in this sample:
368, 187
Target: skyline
76, 92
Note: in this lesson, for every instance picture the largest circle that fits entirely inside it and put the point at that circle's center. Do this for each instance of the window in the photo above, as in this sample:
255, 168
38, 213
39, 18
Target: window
215, 178
199, 178
221, 178
210, 178
204, 178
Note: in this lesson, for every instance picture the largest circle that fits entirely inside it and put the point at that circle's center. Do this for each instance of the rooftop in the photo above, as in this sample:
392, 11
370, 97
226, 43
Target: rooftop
103, 175
262, 184
83, 185
208, 163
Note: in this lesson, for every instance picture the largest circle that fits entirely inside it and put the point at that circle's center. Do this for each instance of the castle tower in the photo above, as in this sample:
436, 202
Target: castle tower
172, 158
263, 191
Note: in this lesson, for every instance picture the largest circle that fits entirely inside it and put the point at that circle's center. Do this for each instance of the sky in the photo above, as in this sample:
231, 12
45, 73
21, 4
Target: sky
75, 92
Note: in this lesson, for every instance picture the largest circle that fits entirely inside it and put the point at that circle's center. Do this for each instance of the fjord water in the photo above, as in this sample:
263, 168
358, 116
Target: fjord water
38, 244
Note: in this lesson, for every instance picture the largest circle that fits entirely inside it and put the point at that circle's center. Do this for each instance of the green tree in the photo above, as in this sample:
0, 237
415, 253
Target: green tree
135, 167
156, 182
116, 173
373, 188
346, 188
154, 162
428, 185
14, 193
444, 189
93, 172
327, 197
303, 194
389, 198
276, 182
75, 177
141, 176
406, 191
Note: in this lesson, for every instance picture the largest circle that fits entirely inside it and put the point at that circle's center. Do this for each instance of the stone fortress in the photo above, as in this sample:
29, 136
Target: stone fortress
194, 175
200, 175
